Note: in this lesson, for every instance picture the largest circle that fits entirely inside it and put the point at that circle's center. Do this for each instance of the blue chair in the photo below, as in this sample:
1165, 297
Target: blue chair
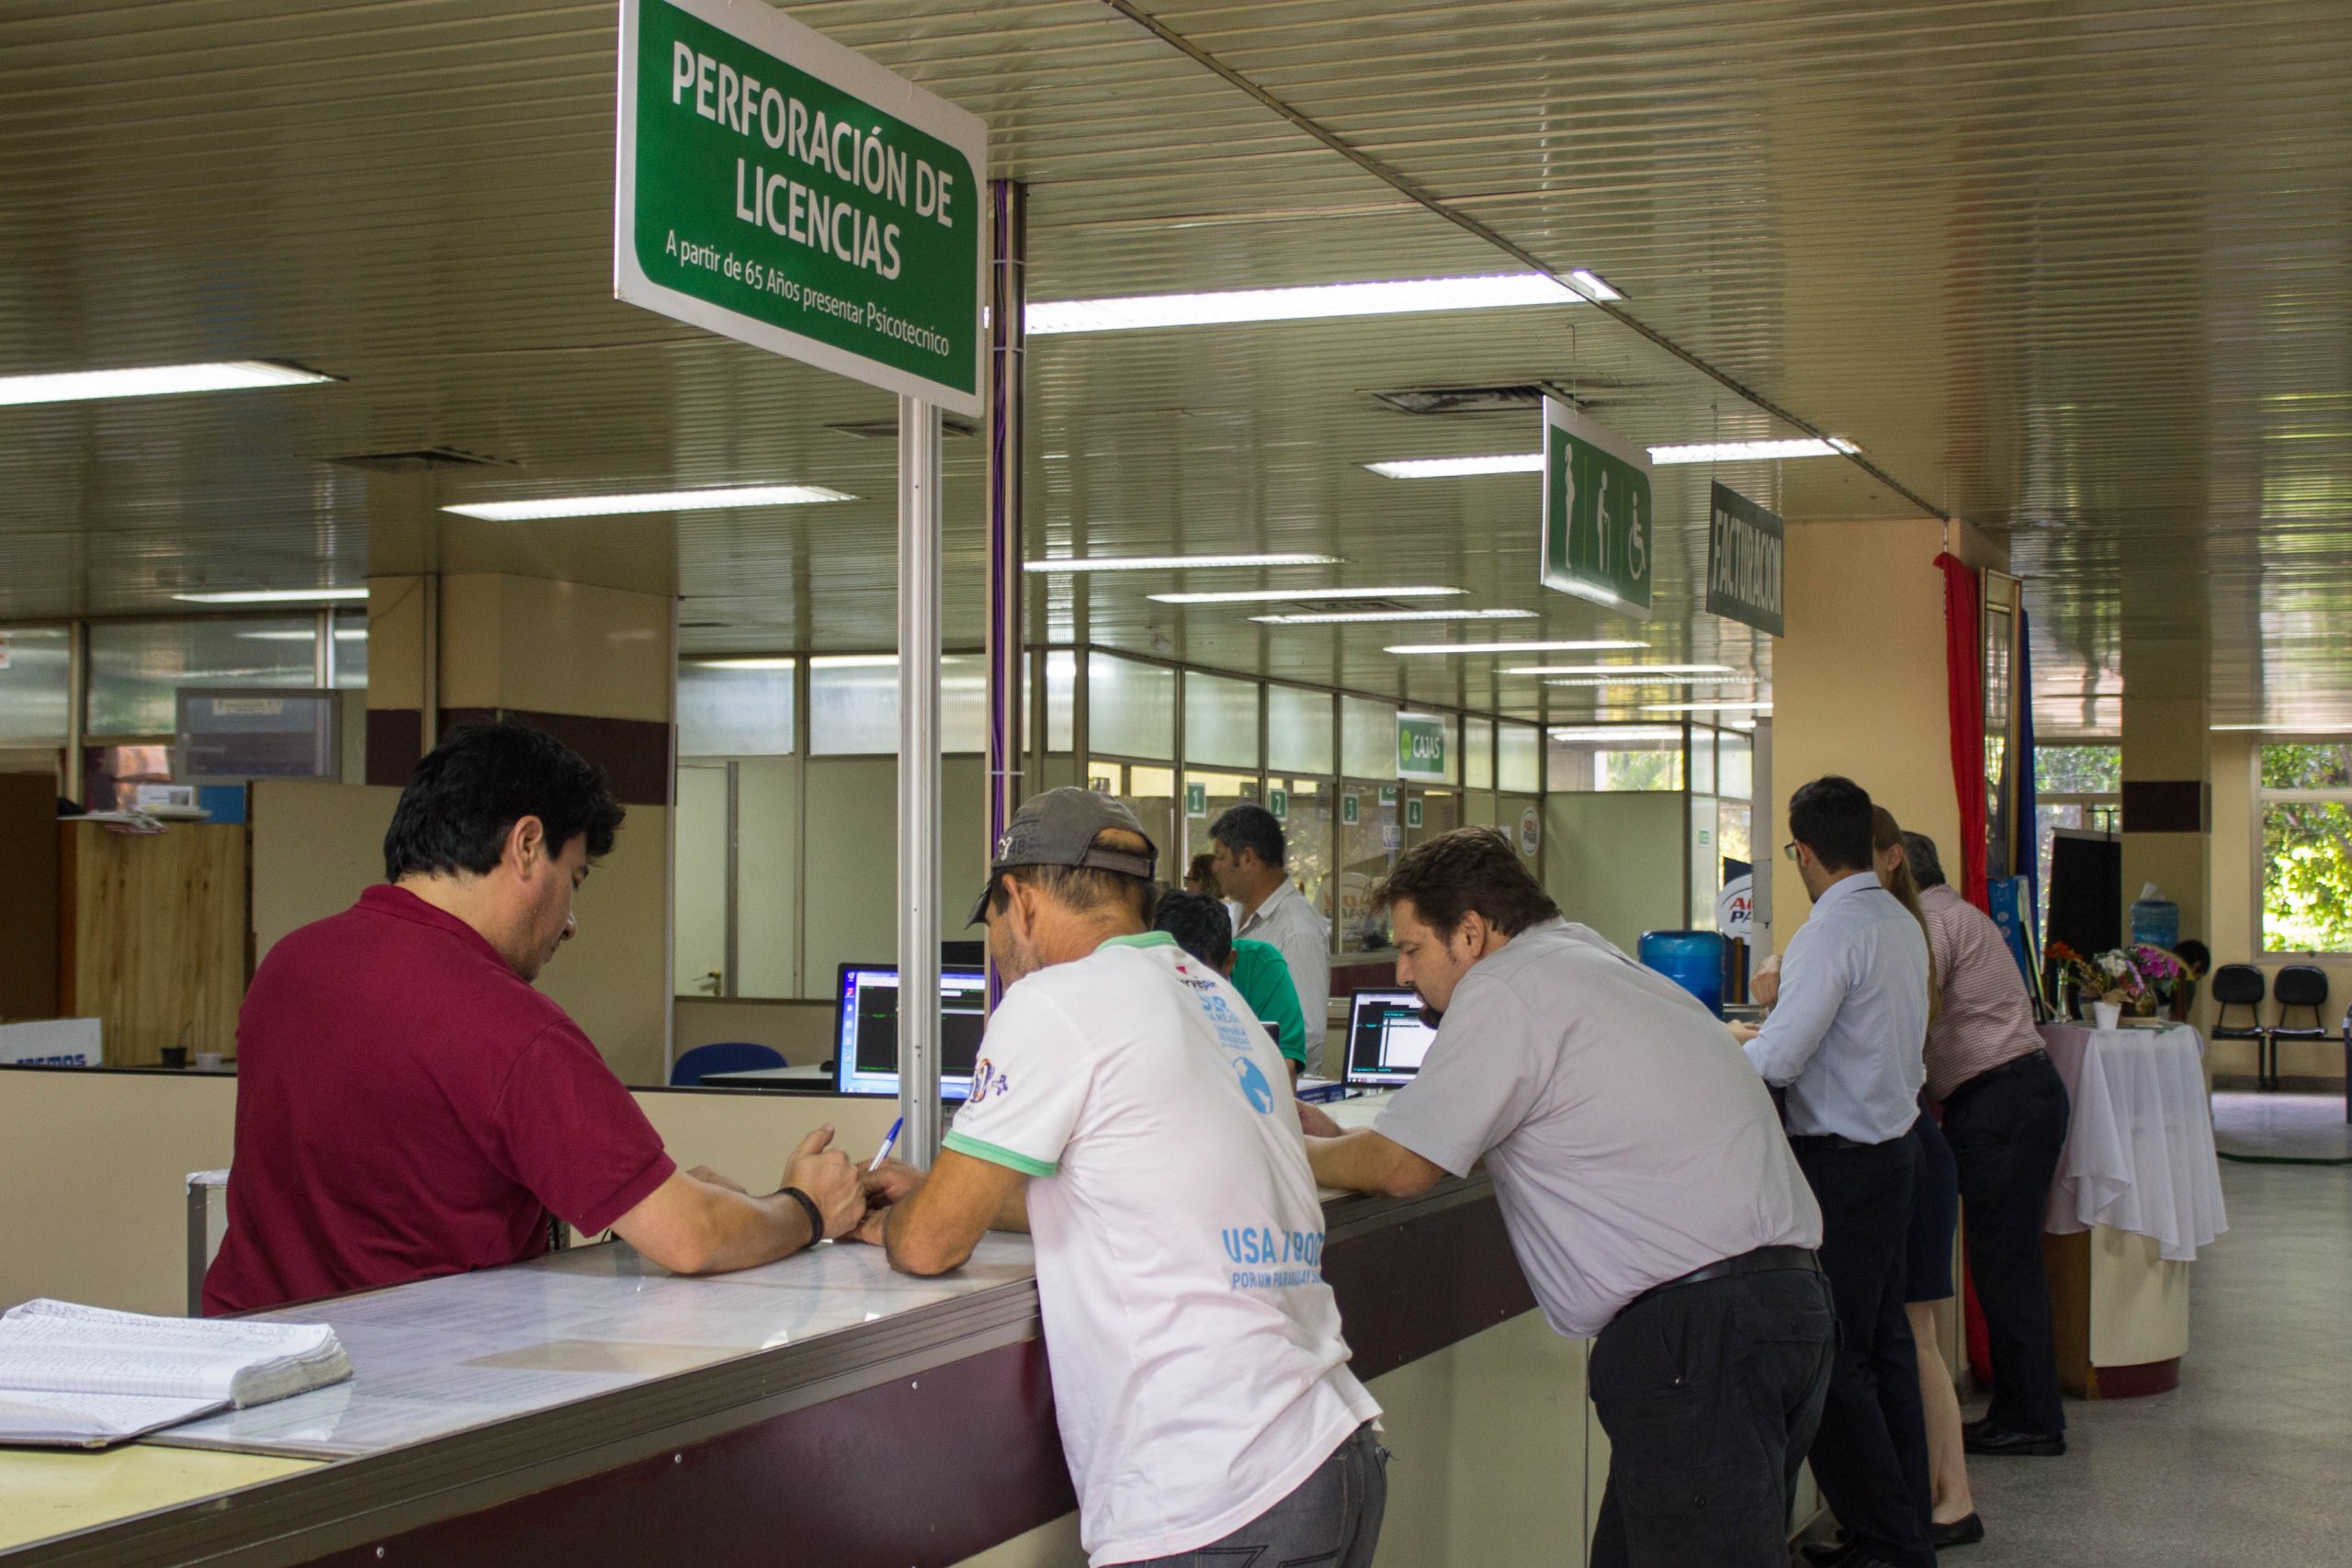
726, 1057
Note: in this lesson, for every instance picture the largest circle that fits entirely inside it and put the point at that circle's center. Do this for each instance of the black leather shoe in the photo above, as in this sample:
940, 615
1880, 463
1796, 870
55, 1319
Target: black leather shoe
1965, 1531
1828, 1553
1993, 1441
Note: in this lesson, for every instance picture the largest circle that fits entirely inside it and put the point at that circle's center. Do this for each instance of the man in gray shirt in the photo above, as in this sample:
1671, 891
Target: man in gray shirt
1846, 1038
1647, 1188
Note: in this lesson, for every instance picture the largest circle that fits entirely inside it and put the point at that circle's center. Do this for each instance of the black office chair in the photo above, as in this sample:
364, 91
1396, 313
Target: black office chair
2300, 988
2241, 986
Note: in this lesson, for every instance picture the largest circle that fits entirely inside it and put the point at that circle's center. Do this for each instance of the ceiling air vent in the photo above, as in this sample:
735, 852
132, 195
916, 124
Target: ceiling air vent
1335, 606
1519, 398
420, 459
887, 429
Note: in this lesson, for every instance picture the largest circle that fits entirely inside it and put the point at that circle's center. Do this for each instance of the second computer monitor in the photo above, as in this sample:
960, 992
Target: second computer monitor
866, 1044
1386, 1038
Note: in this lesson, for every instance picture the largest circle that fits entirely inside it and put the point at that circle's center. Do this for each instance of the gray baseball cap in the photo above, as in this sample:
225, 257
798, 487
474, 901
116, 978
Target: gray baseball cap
1058, 827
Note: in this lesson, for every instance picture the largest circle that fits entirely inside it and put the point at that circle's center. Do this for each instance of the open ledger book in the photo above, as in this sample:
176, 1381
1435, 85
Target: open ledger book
85, 1377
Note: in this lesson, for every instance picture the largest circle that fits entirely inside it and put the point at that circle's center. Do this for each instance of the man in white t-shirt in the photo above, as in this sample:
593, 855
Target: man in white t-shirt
1128, 1110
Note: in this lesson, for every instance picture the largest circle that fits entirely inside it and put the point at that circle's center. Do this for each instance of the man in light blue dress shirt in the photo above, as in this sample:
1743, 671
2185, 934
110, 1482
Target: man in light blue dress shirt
1845, 1039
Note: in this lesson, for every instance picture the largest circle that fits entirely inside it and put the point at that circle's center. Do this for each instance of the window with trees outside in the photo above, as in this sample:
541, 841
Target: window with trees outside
2307, 848
2075, 786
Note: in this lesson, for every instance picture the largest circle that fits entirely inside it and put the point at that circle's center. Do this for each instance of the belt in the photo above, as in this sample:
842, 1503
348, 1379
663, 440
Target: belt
1840, 1140
1763, 1261
2014, 1064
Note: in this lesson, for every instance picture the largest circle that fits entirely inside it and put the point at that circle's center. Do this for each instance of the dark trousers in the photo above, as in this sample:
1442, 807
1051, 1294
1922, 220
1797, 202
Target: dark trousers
1870, 1456
2006, 1133
1330, 1520
1710, 1393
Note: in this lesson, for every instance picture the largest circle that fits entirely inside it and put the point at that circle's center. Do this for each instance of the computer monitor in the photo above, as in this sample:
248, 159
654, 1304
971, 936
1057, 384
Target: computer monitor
865, 1029
1386, 1038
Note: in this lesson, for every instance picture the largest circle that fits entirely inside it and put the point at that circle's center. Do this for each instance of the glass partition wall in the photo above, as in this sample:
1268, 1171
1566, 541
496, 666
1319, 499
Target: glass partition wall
130, 672
780, 758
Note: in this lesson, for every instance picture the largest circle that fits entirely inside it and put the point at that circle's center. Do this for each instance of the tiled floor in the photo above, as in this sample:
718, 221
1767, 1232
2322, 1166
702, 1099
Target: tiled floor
2281, 1126
2248, 1462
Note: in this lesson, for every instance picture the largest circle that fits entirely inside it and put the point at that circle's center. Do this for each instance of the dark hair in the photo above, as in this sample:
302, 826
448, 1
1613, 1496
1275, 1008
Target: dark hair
1249, 826
1083, 889
481, 780
2194, 953
1200, 926
1832, 817
1927, 867
1469, 868
1202, 869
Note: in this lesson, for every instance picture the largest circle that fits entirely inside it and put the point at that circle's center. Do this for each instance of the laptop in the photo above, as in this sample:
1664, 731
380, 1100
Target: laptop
1386, 1038
865, 1029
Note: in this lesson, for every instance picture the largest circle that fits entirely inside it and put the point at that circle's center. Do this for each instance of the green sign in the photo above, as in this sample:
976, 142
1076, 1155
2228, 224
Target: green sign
1746, 551
778, 188
1387, 794
1278, 802
1413, 812
1420, 747
1597, 512
1197, 800
1349, 812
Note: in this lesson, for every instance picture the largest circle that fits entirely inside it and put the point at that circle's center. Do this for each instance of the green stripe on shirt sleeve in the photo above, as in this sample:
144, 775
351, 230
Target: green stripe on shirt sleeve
995, 1155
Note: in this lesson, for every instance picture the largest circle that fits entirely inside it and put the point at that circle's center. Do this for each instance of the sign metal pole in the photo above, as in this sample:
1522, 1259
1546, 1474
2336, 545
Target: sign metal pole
918, 780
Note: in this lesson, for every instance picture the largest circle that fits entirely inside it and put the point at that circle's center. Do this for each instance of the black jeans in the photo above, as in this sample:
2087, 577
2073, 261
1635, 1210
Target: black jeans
2006, 1133
1331, 1520
1710, 1393
1870, 1456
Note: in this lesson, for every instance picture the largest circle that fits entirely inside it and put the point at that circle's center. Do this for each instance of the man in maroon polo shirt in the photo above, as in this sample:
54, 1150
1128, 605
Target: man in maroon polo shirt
408, 1105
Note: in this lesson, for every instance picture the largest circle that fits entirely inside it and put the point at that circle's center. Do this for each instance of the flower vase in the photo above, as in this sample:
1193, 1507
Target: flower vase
2108, 1015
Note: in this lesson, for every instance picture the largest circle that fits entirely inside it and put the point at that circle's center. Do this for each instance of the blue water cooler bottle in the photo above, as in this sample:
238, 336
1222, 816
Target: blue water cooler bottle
1692, 960
2156, 919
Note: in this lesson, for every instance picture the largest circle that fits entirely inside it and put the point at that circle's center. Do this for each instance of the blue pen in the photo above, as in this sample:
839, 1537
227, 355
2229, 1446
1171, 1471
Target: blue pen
889, 1139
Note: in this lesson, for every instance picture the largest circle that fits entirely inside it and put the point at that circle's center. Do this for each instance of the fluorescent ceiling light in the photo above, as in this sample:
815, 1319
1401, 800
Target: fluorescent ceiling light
1605, 734
1589, 645
154, 381
1640, 681
342, 634
659, 501
1360, 617
744, 664
1172, 563
1762, 706
1317, 302
1268, 595
1454, 467
2285, 728
1664, 457
274, 596
1595, 286
1750, 451
1619, 669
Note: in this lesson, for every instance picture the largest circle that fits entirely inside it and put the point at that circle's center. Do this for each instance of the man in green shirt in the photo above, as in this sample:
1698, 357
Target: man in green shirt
1202, 928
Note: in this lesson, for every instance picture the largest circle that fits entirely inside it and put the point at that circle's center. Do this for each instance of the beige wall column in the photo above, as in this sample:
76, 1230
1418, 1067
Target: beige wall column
568, 625
2167, 817
1858, 682
2168, 749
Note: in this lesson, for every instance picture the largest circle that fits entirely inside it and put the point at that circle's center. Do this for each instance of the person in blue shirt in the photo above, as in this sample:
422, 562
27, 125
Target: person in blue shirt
1846, 1041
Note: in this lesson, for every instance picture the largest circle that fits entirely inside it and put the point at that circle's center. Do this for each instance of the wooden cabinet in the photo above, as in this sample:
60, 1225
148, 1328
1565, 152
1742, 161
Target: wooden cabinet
151, 936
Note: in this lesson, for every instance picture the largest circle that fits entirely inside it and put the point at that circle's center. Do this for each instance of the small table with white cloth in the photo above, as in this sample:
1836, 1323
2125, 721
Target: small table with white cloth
2138, 1193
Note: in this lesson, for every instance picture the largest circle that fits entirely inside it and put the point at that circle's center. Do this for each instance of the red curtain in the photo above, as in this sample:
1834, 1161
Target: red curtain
1964, 700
